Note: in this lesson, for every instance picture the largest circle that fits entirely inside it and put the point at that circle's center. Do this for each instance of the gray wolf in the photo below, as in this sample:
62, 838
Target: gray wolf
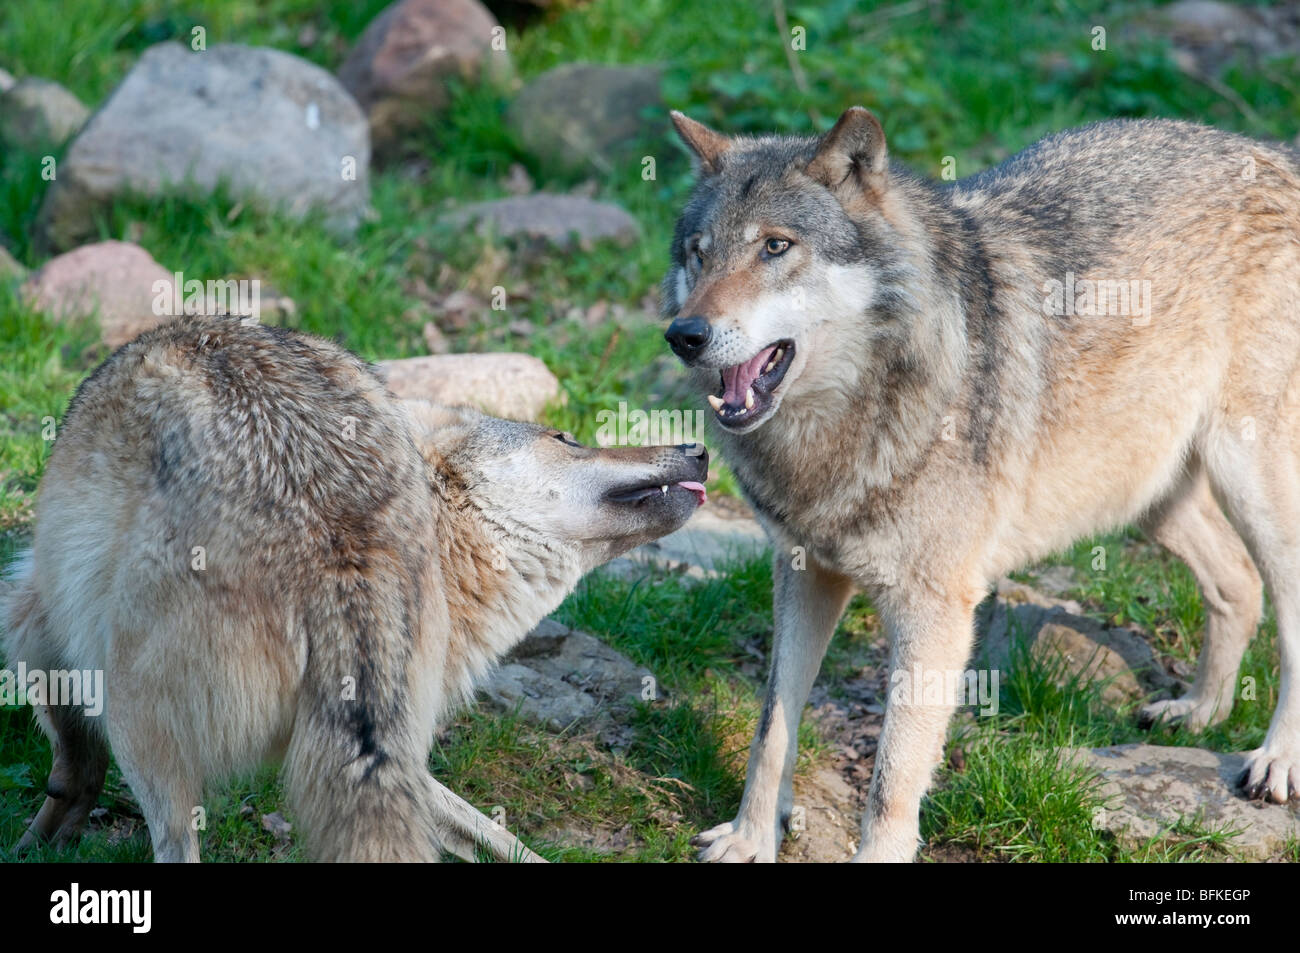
913, 408
273, 559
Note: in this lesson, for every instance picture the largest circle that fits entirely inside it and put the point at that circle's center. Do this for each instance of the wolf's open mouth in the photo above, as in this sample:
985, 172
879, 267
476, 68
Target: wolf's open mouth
747, 388
639, 494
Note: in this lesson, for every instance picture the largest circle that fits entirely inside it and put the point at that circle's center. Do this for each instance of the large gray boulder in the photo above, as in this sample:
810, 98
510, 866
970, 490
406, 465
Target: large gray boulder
278, 131
36, 113
582, 118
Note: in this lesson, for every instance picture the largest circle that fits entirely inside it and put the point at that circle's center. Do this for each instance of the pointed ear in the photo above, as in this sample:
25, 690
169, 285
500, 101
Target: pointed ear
707, 145
853, 149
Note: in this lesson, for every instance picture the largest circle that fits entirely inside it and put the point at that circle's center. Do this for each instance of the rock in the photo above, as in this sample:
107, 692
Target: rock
112, 280
6, 81
547, 217
37, 113
1056, 632
1149, 788
276, 825
718, 532
557, 676
10, 268
400, 67
1080, 656
278, 131
583, 118
516, 386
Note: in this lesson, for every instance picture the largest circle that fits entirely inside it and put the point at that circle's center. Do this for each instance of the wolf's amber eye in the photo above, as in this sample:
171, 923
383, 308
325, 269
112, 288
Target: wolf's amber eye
775, 246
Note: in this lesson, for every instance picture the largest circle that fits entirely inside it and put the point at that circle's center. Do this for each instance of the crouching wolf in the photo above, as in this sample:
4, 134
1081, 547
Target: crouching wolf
271, 558
924, 386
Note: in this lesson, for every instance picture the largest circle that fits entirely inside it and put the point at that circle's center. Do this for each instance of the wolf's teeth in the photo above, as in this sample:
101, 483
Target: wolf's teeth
780, 352
715, 403
664, 489
749, 399
770, 364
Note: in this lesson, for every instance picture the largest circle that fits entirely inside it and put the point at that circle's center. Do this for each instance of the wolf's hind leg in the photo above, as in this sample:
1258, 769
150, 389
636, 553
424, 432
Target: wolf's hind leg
808, 604
162, 772
1192, 527
76, 777
80, 753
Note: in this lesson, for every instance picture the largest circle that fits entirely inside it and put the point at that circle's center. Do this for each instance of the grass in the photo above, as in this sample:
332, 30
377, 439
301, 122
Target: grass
970, 82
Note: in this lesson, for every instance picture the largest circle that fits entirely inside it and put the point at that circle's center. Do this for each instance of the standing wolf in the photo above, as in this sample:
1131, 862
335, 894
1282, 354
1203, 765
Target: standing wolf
925, 386
269, 557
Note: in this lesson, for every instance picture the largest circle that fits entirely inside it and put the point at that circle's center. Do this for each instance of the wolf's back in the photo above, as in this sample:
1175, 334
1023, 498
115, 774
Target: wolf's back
241, 510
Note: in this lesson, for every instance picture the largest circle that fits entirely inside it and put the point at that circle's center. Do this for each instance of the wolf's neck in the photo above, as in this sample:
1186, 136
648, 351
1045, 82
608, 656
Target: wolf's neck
500, 580
890, 386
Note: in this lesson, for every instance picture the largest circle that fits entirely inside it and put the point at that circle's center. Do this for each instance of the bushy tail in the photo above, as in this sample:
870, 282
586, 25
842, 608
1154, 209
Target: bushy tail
356, 769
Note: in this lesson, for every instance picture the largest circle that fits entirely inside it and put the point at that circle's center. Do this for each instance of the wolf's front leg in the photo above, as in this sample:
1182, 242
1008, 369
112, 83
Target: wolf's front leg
808, 604
928, 644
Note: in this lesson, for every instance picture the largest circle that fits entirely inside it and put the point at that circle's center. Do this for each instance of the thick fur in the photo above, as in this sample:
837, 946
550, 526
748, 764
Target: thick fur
363, 561
936, 428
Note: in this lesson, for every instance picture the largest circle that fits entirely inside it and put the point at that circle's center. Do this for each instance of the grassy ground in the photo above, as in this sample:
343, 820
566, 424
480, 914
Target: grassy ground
973, 81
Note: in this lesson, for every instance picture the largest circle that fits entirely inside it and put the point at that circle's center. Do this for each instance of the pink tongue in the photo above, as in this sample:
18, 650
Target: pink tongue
737, 380
697, 488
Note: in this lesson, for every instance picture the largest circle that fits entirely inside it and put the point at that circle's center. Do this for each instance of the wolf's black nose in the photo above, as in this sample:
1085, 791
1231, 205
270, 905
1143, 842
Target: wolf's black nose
700, 453
688, 336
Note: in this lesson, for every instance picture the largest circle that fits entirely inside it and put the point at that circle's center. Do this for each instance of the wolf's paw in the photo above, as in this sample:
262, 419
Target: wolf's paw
1194, 715
1272, 774
734, 842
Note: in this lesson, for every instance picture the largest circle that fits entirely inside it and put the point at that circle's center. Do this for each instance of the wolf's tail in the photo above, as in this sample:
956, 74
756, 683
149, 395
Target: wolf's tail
356, 768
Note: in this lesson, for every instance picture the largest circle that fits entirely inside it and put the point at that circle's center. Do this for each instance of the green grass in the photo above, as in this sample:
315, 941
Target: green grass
972, 81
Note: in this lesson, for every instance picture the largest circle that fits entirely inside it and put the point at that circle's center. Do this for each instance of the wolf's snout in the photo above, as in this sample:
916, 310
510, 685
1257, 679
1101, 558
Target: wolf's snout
688, 336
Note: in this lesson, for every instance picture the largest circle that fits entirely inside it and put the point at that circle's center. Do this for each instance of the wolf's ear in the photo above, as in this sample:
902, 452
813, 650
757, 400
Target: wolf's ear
707, 145
855, 147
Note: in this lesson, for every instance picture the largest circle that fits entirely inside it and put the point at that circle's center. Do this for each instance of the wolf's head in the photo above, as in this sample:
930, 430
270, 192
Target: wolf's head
547, 498
785, 247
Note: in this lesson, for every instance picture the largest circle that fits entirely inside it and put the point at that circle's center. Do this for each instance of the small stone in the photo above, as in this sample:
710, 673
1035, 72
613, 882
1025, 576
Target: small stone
112, 280
547, 217
276, 825
36, 113
584, 118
